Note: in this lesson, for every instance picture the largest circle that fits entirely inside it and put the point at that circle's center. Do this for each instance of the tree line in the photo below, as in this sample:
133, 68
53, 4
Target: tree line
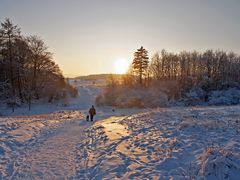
176, 75
27, 69
186, 68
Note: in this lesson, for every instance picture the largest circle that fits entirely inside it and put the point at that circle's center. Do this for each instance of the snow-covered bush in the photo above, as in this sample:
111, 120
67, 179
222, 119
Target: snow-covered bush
207, 84
219, 163
153, 97
127, 97
198, 96
186, 91
169, 87
194, 97
225, 97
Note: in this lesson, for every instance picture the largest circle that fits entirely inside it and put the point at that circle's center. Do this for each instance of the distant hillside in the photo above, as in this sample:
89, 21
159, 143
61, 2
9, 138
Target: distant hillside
98, 76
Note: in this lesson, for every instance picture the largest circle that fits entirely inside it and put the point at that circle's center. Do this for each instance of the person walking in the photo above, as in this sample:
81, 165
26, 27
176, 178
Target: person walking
92, 112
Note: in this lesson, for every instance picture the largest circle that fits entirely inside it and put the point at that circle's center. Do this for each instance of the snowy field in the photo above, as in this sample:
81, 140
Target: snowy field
55, 142
178, 143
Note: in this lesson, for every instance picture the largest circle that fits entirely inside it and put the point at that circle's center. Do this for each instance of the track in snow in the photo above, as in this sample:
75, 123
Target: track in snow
53, 158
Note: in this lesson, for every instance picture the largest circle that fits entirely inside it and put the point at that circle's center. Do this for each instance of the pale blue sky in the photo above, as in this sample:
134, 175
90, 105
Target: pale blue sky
87, 36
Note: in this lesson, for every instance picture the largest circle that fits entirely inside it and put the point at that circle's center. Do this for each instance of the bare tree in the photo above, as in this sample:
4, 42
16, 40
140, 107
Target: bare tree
27, 69
8, 34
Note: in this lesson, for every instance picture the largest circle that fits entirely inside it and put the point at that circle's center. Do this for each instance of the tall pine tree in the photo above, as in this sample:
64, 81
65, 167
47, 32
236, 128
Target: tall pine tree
140, 63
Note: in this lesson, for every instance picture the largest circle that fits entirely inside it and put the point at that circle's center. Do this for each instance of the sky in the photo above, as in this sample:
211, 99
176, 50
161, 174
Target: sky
89, 36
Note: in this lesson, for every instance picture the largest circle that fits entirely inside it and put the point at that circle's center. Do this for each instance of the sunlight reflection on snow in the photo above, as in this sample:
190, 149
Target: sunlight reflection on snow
113, 129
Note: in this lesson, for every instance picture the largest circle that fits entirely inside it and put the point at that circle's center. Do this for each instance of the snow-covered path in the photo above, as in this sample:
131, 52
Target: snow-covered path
68, 150
55, 157
48, 146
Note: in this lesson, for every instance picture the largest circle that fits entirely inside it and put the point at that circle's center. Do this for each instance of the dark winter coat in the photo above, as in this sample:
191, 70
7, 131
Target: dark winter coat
92, 111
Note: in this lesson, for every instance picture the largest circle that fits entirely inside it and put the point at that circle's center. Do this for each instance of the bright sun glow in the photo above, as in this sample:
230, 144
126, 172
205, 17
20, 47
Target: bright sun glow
121, 66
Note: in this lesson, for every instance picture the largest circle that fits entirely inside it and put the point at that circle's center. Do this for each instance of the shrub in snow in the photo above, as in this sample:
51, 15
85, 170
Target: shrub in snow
186, 83
228, 85
188, 91
226, 97
71, 90
198, 96
168, 87
155, 99
207, 84
194, 97
219, 163
131, 98
127, 97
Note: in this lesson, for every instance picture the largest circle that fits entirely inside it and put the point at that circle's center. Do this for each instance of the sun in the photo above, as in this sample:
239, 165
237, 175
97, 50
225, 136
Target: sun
121, 66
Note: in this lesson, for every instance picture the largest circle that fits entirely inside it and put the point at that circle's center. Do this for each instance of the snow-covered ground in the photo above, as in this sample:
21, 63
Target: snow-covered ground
179, 143
20, 134
56, 142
